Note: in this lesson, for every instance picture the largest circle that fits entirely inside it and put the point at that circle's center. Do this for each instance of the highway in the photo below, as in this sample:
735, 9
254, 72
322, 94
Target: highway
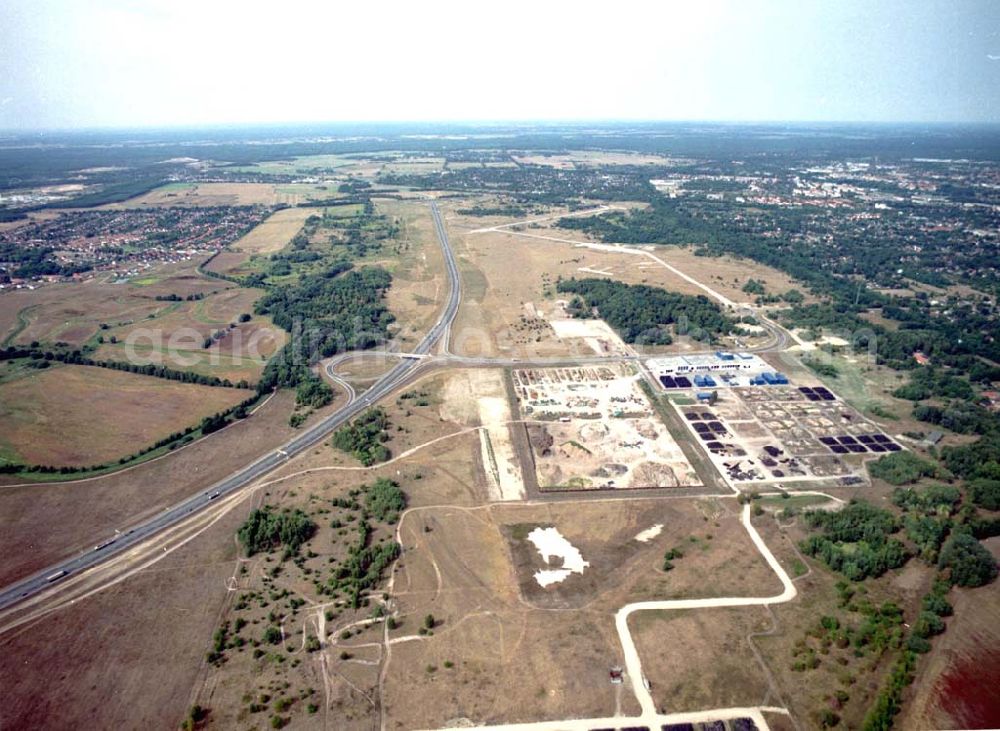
113, 545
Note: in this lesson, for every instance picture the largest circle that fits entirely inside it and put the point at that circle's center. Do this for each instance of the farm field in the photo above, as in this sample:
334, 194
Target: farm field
82, 415
222, 194
274, 233
77, 510
73, 312
175, 335
596, 158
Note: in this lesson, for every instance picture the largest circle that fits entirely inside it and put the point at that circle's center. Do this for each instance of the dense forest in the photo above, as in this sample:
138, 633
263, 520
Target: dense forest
330, 312
364, 438
642, 314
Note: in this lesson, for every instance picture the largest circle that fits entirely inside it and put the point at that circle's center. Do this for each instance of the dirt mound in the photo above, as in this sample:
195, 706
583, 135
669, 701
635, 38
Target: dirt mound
593, 432
573, 451
610, 469
651, 474
541, 440
646, 429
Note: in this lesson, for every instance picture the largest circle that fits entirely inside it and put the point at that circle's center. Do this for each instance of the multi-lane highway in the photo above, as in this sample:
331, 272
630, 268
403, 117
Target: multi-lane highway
112, 545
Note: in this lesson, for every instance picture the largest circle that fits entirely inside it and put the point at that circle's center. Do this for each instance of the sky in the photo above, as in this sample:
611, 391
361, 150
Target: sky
127, 63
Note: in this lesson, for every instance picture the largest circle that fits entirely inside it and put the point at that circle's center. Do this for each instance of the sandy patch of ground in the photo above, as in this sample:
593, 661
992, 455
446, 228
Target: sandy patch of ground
478, 398
551, 545
649, 534
596, 334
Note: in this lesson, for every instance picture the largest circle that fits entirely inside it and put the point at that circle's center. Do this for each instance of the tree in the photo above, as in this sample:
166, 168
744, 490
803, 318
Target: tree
901, 468
265, 530
968, 560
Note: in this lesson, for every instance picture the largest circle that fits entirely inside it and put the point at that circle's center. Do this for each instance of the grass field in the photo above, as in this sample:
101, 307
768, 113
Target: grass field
79, 415
497, 297
224, 194
73, 312
175, 336
161, 618
274, 233
701, 659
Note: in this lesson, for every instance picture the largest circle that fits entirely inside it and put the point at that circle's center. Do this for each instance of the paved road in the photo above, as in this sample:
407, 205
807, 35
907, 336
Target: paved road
395, 377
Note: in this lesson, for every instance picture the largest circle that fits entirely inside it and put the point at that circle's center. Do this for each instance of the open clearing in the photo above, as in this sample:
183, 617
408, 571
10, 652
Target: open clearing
479, 398
174, 336
697, 659
600, 430
584, 159
419, 284
81, 415
506, 311
73, 312
75, 511
126, 657
223, 194
475, 570
274, 233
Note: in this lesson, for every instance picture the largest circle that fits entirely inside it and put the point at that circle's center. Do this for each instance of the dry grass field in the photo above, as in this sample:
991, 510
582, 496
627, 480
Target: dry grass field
274, 233
213, 194
509, 283
74, 512
148, 330
174, 336
595, 158
81, 415
340, 678
698, 659
127, 657
73, 312
419, 285
549, 648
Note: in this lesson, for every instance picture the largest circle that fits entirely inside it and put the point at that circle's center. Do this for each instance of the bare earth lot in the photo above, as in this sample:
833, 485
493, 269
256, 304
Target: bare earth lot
592, 427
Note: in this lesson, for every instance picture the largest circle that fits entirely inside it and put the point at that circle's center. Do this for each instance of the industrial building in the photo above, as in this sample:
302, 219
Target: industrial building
719, 362
720, 369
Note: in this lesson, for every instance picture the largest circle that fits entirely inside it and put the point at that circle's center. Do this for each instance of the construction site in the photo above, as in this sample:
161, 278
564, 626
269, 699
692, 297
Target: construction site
593, 428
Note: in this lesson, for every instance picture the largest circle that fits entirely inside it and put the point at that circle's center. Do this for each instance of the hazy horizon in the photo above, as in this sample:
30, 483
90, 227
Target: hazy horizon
120, 64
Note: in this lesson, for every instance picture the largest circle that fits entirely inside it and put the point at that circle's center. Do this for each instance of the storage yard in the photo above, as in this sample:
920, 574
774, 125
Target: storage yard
784, 433
600, 431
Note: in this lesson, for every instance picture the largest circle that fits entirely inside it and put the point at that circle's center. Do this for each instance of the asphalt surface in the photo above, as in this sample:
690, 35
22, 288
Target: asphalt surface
116, 544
